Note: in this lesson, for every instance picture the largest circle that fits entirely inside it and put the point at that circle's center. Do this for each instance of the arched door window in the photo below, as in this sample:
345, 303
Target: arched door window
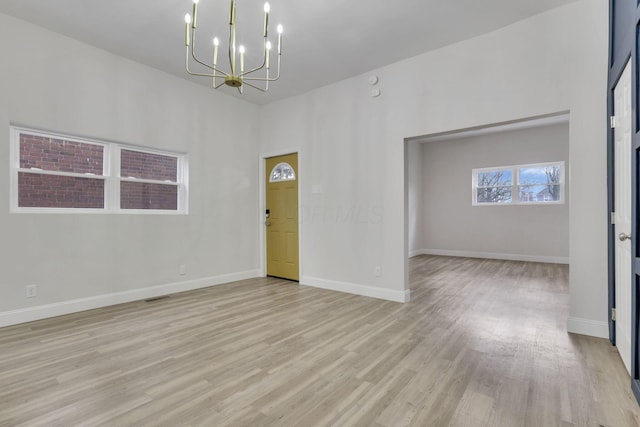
282, 172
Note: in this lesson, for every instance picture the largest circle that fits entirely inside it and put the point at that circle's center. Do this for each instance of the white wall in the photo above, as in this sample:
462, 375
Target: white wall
416, 198
353, 145
452, 226
79, 261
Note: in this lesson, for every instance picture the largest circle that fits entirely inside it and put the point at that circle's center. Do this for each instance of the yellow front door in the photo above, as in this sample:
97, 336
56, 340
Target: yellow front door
281, 220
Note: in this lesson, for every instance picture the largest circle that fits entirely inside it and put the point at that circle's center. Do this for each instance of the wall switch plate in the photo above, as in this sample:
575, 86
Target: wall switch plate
31, 291
182, 269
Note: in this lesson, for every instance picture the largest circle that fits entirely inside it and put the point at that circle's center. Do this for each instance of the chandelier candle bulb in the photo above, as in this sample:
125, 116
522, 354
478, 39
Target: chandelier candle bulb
280, 31
216, 42
267, 8
241, 59
195, 12
267, 54
187, 38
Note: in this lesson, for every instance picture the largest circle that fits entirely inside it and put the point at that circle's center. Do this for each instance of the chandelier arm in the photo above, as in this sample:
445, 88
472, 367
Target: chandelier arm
262, 79
264, 62
265, 79
219, 84
231, 61
278, 75
199, 74
211, 67
232, 38
186, 66
222, 75
254, 70
253, 86
193, 51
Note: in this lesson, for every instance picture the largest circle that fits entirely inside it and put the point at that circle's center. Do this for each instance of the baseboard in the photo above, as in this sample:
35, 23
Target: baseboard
353, 288
492, 255
29, 314
590, 327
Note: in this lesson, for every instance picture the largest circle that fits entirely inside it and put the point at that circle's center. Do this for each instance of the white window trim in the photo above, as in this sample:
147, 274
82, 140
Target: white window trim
515, 185
111, 176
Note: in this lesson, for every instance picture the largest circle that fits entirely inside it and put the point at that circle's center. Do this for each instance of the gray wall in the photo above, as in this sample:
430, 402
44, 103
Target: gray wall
453, 226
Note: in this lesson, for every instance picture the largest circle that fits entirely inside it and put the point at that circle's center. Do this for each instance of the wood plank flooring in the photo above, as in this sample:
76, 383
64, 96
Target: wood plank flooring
482, 343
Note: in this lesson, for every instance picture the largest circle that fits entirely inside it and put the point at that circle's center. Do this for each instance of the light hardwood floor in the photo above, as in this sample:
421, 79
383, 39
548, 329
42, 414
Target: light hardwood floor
482, 343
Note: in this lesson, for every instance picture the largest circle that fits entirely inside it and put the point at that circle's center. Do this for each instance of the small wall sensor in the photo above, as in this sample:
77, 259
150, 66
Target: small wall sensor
375, 93
373, 80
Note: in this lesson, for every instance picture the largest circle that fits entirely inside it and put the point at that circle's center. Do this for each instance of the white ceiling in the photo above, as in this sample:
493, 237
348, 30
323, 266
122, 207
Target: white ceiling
325, 41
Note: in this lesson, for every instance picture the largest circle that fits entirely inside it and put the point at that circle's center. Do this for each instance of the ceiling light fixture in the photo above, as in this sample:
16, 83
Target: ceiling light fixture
235, 77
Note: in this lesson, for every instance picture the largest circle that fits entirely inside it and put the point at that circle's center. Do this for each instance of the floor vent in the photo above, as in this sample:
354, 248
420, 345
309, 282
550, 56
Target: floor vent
156, 298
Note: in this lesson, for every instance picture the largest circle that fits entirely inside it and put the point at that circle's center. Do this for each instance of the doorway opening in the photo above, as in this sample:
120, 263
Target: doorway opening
521, 212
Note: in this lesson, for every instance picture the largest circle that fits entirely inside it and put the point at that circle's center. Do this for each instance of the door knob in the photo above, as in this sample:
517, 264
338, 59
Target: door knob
267, 223
624, 237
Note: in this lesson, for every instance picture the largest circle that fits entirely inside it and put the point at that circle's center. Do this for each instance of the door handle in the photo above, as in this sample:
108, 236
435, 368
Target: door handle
624, 237
267, 223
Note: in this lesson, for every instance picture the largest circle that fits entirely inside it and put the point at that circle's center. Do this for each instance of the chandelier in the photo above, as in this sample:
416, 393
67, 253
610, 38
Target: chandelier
235, 76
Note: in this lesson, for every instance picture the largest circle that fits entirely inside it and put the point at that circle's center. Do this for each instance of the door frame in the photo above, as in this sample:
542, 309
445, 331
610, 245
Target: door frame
613, 228
262, 206
623, 46
614, 78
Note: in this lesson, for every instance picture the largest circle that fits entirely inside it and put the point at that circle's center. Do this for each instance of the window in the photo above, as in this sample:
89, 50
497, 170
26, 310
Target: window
58, 173
148, 181
282, 172
541, 183
494, 186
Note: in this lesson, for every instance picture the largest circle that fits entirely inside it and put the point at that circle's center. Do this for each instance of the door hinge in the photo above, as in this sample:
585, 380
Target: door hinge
613, 314
613, 218
613, 122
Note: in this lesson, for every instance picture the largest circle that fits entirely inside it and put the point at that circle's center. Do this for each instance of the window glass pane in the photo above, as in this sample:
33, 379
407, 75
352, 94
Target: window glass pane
494, 195
539, 193
53, 191
539, 175
137, 164
143, 195
59, 155
282, 172
495, 178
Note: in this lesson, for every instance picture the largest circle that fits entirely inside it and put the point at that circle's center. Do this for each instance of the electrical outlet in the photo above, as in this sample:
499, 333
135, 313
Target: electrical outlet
182, 269
378, 271
31, 291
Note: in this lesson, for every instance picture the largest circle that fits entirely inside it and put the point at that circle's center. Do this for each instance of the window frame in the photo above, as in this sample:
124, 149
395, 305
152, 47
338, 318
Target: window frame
271, 180
111, 175
515, 184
